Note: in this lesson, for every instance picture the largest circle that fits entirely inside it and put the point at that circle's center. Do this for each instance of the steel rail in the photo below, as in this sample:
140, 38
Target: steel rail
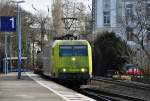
122, 83
107, 96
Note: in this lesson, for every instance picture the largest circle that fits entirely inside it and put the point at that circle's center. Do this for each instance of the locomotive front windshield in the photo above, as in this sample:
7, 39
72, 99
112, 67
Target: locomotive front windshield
76, 50
65, 51
80, 50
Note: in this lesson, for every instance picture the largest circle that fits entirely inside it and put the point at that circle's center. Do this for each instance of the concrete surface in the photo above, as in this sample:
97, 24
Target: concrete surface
25, 89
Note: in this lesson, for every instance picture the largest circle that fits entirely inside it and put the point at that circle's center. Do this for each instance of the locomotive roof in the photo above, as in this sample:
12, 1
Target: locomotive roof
70, 42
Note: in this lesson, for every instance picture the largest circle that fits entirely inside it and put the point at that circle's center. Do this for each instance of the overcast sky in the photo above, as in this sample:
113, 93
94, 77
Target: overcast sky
43, 5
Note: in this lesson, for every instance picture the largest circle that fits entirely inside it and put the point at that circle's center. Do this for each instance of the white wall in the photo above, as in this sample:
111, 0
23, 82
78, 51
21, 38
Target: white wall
99, 13
113, 13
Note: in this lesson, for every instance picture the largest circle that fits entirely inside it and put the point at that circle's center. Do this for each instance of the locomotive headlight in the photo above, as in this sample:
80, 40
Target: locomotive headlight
64, 70
82, 70
73, 59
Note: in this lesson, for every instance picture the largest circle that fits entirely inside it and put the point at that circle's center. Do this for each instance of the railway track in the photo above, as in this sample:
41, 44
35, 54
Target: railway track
123, 83
101, 95
107, 96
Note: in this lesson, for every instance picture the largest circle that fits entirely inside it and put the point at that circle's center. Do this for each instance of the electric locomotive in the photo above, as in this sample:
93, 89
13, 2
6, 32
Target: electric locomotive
68, 60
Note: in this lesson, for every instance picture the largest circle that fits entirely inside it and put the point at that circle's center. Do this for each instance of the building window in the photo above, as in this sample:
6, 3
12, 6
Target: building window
106, 18
129, 10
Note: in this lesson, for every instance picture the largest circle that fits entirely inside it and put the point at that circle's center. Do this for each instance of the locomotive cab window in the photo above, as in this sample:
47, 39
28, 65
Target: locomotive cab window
76, 50
80, 50
65, 50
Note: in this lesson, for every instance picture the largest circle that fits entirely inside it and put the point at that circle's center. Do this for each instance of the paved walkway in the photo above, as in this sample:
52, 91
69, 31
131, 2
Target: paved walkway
25, 89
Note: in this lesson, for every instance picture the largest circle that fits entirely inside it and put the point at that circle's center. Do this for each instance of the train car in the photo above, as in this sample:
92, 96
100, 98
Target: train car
68, 60
39, 63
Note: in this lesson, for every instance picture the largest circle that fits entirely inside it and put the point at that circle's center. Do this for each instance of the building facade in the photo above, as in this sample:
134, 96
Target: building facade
129, 19
107, 15
113, 15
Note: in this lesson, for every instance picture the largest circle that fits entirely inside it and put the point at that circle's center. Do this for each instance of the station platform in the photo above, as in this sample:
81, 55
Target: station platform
32, 87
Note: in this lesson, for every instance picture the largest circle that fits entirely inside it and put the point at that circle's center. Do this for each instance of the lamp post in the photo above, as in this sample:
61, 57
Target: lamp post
19, 35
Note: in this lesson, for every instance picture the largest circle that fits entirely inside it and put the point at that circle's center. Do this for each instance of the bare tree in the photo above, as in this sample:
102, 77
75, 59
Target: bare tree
7, 8
75, 15
137, 23
68, 17
57, 15
41, 22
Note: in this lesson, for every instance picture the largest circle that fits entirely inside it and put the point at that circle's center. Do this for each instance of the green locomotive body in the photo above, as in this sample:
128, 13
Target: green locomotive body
68, 60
